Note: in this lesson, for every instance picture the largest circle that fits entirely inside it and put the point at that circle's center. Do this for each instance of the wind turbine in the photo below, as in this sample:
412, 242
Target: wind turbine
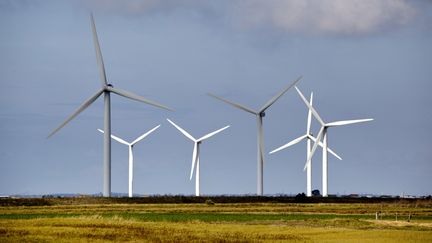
196, 152
309, 137
322, 134
106, 90
130, 145
260, 139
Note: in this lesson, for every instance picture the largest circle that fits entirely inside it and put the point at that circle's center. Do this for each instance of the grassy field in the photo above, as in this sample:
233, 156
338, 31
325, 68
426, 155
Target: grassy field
63, 221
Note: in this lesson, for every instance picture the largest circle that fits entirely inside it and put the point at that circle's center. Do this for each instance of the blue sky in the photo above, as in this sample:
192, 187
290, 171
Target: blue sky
360, 58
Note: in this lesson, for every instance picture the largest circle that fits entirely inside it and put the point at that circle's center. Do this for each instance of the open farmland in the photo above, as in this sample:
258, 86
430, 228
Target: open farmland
117, 219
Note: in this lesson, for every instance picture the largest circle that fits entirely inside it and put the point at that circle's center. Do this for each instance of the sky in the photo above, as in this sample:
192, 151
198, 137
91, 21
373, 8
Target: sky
361, 58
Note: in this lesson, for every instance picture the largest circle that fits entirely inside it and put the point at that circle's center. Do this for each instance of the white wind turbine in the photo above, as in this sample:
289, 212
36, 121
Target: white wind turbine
106, 90
130, 146
196, 152
260, 137
309, 137
323, 134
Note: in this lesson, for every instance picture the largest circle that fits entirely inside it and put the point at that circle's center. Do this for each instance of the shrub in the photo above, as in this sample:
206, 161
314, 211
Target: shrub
209, 202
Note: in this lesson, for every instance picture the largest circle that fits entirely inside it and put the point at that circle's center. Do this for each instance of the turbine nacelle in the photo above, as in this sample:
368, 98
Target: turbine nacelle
108, 88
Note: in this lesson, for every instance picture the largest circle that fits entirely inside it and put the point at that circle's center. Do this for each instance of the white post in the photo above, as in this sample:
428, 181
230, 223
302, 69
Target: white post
107, 146
325, 165
197, 193
130, 171
309, 170
197, 174
260, 156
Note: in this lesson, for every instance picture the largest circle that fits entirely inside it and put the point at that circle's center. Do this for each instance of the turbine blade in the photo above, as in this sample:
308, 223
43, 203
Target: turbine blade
194, 158
316, 115
328, 149
295, 141
99, 58
319, 136
333, 153
182, 131
144, 135
242, 107
278, 95
309, 119
116, 138
82, 107
212, 133
347, 122
136, 97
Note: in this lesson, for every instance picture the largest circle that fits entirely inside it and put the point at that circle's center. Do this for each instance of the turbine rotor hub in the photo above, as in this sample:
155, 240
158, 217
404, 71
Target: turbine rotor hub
108, 86
262, 114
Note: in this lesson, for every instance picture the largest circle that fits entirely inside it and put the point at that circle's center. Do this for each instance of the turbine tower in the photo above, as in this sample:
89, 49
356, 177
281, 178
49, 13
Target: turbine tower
260, 137
106, 90
322, 134
309, 137
130, 146
196, 152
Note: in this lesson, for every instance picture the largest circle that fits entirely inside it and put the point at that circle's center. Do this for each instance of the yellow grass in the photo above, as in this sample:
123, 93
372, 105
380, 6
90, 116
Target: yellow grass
115, 230
343, 208
109, 223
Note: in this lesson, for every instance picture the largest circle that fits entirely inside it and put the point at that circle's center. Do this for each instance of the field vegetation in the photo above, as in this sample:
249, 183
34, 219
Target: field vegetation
104, 220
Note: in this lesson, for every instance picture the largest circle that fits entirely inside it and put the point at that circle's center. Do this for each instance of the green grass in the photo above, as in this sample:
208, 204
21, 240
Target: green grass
207, 217
231, 222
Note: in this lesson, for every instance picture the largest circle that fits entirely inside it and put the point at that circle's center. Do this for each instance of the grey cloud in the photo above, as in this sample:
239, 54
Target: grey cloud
339, 17
7, 5
330, 16
149, 6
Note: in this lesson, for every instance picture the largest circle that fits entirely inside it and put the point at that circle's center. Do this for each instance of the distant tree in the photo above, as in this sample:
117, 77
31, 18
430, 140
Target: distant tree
316, 193
301, 197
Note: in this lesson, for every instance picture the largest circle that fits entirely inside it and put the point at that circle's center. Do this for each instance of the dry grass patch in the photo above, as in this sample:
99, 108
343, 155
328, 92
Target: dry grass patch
97, 229
394, 223
259, 222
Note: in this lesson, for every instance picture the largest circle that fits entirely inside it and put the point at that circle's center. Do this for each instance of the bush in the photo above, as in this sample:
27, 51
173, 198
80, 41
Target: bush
209, 202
